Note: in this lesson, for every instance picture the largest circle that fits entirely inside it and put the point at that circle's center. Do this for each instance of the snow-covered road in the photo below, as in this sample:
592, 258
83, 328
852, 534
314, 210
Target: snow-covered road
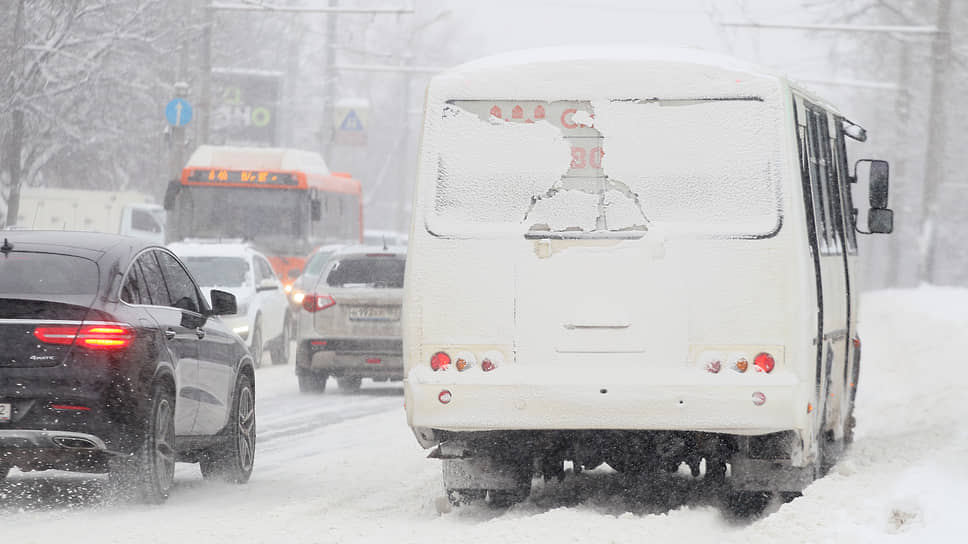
345, 468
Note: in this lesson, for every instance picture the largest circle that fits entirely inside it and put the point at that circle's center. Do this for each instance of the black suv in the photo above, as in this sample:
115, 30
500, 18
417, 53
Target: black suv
112, 361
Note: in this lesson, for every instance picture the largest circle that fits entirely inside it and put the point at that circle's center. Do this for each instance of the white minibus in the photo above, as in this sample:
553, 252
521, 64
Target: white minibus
634, 256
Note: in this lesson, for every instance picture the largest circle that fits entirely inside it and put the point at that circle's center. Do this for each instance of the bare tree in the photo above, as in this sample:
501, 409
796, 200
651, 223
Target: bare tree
79, 79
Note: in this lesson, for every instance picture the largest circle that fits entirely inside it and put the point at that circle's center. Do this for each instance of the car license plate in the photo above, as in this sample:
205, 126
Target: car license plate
4, 411
374, 313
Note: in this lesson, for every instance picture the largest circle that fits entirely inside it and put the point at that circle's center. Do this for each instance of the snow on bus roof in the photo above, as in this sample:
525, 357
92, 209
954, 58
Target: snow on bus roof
258, 158
596, 71
611, 52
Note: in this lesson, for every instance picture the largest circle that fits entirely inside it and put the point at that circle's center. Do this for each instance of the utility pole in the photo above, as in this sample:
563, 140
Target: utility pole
16, 137
176, 154
935, 155
329, 82
205, 100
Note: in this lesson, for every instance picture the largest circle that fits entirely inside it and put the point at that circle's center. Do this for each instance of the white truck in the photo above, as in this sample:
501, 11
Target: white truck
122, 212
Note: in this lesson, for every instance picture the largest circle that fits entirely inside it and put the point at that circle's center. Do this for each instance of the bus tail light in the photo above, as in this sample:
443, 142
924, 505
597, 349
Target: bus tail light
314, 302
106, 337
764, 362
439, 361
465, 360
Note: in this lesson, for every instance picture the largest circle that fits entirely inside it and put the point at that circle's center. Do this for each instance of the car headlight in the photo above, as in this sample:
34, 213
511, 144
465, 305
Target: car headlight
242, 331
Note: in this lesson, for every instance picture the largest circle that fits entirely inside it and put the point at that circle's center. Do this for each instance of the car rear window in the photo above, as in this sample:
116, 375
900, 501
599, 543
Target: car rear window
378, 271
218, 271
46, 274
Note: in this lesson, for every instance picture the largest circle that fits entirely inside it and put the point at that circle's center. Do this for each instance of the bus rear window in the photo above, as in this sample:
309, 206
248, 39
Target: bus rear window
707, 166
38, 275
367, 272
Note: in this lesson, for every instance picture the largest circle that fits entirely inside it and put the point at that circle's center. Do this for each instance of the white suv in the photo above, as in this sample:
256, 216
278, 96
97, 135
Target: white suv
264, 319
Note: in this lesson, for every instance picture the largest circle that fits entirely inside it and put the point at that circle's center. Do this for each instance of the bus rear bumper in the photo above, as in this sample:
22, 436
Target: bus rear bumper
730, 409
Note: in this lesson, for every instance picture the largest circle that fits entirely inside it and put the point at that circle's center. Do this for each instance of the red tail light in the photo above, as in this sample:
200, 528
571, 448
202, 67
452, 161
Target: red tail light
764, 362
314, 303
440, 361
90, 336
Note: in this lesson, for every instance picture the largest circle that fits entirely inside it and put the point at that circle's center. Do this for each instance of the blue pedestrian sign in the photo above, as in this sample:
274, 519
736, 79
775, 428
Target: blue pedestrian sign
351, 122
178, 112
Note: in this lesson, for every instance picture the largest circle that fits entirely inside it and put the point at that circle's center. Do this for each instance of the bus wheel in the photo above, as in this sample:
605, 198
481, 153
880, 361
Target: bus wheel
747, 504
504, 498
459, 497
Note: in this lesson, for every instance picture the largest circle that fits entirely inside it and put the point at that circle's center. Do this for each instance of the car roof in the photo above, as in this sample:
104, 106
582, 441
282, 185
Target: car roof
362, 250
91, 245
212, 249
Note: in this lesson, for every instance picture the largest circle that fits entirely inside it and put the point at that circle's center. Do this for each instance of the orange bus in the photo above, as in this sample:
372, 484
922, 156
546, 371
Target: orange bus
285, 202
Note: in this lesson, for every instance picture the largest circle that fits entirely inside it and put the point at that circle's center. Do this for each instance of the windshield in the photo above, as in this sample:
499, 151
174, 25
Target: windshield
273, 217
613, 167
367, 272
218, 271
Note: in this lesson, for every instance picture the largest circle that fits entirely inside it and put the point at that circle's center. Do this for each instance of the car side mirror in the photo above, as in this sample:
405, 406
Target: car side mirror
880, 221
223, 303
174, 186
267, 284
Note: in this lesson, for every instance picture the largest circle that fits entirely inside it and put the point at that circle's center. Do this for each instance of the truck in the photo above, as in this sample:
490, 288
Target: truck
129, 213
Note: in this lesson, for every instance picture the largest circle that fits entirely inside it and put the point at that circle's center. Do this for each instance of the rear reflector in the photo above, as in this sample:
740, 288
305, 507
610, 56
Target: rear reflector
374, 361
759, 398
90, 336
444, 397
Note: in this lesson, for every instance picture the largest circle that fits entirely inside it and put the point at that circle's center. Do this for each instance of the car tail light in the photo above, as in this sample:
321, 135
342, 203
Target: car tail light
440, 361
764, 362
109, 336
314, 303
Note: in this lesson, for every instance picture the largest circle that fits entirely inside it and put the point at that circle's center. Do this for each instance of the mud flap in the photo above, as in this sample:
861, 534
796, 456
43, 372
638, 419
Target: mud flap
483, 473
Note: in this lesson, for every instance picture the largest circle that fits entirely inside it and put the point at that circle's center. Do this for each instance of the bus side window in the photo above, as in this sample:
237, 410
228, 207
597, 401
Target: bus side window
818, 184
831, 184
843, 175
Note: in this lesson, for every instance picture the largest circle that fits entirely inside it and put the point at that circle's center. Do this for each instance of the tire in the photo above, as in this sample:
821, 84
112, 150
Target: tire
349, 384
147, 475
280, 353
312, 382
505, 498
460, 497
747, 504
4, 470
256, 347
232, 460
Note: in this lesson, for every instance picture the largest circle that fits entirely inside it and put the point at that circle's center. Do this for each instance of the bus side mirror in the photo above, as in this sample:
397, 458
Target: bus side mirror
880, 221
879, 174
315, 210
173, 187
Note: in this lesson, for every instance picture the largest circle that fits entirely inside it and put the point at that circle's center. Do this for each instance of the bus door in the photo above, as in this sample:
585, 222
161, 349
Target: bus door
825, 211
